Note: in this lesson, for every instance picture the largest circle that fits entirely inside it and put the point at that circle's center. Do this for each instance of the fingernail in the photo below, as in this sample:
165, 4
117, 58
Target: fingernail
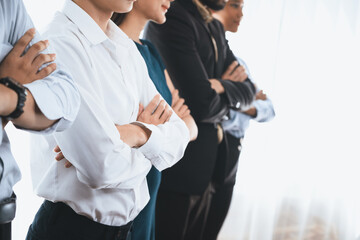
32, 31
46, 43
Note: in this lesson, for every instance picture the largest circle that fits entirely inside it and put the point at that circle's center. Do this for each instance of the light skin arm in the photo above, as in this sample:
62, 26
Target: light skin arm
181, 109
134, 134
24, 68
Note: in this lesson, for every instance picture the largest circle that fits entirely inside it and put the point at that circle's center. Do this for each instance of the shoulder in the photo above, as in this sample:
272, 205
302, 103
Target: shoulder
61, 31
9, 8
149, 44
153, 51
218, 25
60, 27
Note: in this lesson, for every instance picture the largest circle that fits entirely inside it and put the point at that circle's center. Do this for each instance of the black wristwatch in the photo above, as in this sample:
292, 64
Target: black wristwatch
20, 91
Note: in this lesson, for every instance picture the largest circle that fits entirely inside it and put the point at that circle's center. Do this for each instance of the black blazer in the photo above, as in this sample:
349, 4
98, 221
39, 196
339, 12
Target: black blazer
185, 45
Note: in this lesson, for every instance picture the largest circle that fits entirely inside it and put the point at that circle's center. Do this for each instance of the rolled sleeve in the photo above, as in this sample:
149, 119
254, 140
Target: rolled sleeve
57, 98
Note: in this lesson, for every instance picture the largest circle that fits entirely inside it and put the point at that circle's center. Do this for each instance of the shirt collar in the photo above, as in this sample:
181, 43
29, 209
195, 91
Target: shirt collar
87, 26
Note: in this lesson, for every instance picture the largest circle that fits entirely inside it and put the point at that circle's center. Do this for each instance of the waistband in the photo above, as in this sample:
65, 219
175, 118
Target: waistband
121, 232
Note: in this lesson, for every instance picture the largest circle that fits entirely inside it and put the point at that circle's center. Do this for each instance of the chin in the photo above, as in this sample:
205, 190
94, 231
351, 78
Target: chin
234, 29
126, 8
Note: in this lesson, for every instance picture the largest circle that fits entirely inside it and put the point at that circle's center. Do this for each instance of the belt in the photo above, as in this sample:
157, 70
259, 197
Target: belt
8, 205
8, 209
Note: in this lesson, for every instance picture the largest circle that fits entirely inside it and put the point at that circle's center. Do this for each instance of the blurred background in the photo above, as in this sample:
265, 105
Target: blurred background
299, 175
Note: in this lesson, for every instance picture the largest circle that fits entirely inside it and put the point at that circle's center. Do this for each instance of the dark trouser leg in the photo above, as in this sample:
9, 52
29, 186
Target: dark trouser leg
218, 210
57, 221
181, 216
224, 185
5, 231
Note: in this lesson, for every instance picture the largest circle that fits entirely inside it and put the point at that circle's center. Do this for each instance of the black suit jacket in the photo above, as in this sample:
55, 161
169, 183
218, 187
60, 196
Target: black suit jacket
185, 44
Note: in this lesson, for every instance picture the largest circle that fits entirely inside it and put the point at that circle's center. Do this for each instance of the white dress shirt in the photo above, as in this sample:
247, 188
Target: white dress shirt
56, 95
107, 182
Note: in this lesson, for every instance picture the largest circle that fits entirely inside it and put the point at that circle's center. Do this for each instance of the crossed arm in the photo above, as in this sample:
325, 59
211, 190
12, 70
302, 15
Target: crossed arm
24, 68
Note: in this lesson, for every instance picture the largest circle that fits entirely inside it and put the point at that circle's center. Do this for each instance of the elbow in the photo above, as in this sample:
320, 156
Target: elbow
95, 180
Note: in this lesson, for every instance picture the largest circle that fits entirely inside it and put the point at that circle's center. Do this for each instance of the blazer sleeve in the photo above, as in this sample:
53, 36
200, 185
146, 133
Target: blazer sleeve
176, 43
239, 94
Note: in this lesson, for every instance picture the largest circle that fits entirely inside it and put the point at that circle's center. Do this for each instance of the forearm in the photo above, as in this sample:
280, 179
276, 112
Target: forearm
32, 118
8, 100
191, 125
167, 142
239, 94
252, 112
265, 110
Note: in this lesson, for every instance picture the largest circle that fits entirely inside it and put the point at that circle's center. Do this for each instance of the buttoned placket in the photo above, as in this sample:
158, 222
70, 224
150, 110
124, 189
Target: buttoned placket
115, 52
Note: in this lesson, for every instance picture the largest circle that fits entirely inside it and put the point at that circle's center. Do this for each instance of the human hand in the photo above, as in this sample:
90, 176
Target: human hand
24, 68
178, 105
60, 156
235, 72
260, 95
156, 112
217, 86
133, 134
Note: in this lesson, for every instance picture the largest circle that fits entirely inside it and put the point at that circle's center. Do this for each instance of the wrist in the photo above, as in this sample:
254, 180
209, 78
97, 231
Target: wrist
8, 100
19, 100
143, 133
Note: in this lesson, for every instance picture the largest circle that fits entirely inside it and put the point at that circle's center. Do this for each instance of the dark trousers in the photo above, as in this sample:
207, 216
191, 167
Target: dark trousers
219, 208
181, 216
5, 231
57, 221
224, 187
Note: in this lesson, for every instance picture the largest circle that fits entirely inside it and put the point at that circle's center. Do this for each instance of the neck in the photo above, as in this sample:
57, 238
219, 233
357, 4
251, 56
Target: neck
221, 19
132, 25
100, 15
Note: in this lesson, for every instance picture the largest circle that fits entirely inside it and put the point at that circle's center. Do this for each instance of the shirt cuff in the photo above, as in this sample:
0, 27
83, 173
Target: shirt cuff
264, 110
48, 105
151, 149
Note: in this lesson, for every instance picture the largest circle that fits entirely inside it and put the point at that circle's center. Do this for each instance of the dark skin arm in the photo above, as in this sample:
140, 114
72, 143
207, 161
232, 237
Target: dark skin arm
24, 68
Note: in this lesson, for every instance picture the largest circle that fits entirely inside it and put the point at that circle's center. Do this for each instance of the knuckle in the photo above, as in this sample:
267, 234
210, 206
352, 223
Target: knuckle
39, 46
42, 57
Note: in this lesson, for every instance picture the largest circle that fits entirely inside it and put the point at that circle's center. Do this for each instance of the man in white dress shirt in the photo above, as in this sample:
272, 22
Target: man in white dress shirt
47, 105
106, 188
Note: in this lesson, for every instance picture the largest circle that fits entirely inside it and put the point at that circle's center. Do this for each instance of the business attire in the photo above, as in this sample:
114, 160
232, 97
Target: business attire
234, 128
107, 183
144, 223
56, 96
9, 175
194, 51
